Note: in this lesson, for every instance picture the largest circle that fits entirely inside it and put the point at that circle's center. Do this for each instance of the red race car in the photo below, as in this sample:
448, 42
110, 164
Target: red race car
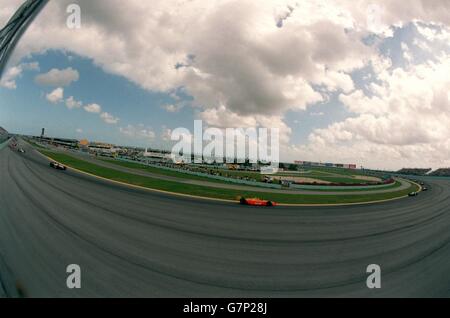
256, 202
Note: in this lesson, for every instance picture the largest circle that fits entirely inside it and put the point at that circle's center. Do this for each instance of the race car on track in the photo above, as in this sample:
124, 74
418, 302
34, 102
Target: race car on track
256, 202
57, 165
413, 194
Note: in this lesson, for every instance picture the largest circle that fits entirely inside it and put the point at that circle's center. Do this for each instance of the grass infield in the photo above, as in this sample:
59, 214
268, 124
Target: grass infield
139, 166
219, 193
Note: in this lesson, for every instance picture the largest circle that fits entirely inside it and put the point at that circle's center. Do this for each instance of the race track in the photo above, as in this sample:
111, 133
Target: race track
132, 242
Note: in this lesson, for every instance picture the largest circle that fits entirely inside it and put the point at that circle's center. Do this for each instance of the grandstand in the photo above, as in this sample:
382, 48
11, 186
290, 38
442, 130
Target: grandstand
443, 172
414, 171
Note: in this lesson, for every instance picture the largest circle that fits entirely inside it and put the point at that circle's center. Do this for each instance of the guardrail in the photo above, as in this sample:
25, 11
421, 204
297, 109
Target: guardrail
206, 175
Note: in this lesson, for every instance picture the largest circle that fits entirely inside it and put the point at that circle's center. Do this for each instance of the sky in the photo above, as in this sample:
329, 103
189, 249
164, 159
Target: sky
364, 82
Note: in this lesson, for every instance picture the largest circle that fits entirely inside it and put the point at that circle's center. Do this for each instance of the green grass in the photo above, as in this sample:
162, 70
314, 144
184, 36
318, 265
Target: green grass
252, 175
163, 172
343, 179
334, 175
35, 145
216, 192
339, 171
329, 176
224, 173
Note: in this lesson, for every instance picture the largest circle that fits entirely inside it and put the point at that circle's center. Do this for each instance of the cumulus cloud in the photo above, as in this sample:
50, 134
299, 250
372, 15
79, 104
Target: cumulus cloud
8, 79
58, 78
108, 118
139, 131
166, 134
56, 96
71, 103
223, 118
172, 108
406, 118
93, 108
248, 66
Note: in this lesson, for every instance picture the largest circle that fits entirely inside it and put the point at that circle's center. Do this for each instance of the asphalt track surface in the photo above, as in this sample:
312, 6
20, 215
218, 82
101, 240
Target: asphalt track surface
221, 185
132, 242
